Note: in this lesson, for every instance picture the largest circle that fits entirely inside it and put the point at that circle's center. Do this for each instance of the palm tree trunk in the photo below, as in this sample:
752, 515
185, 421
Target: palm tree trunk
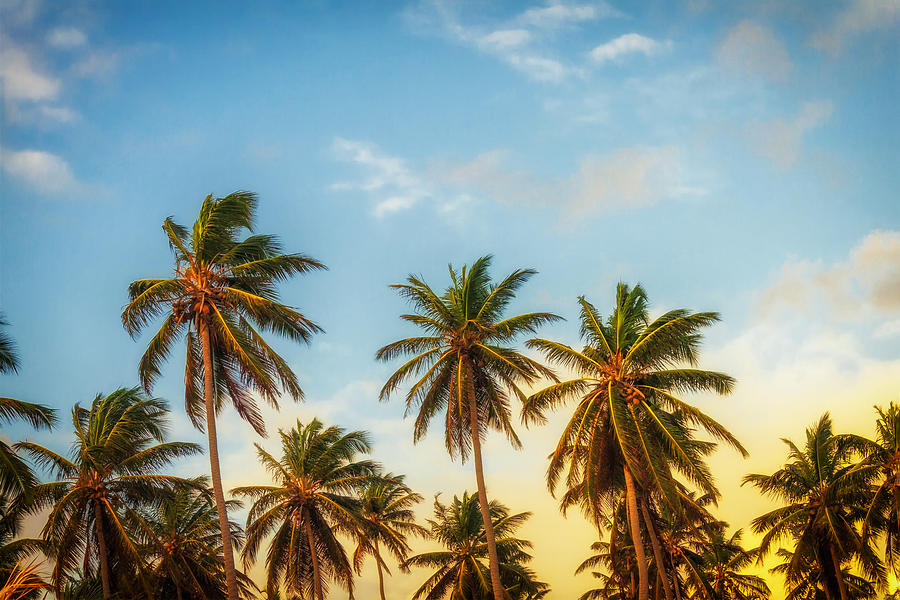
499, 592
317, 581
842, 585
104, 553
637, 540
209, 397
380, 575
178, 590
657, 549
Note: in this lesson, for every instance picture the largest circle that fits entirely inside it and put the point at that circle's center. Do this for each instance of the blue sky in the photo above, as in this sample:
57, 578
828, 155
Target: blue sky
738, 157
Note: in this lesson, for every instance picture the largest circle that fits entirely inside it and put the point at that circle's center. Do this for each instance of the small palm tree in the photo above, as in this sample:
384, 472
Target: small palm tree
720, 574
115, 463
180, 537
318, 479
460, 572
223, 291
465, 366
386, 520
824, 500
629, 425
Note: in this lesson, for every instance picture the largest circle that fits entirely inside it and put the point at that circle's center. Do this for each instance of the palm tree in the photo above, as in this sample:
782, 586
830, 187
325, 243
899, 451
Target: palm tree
824, 499
629, 425
809, 582
115, 463
180, 537
16, 476
223, 291
318, 479
720, 575
386, 519
469, 366
881, 463
460, 572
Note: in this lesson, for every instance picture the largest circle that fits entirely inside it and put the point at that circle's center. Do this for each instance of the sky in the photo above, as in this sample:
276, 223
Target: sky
739, 157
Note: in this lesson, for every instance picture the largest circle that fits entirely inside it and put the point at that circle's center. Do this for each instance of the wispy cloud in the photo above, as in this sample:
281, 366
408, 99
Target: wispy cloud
752, 49
630, 43
522, 41
781, 140
66, 37
865, 284
397, 186
622, 179
40, 171
557, 14
22, 80
860, 17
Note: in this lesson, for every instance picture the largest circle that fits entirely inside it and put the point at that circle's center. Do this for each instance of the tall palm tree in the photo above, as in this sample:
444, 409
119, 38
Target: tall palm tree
315, 497
465, 365
180, 537
629, 425
115, 463
460, 572
223, 291
386, 520
881, 463
823, 501
15, 475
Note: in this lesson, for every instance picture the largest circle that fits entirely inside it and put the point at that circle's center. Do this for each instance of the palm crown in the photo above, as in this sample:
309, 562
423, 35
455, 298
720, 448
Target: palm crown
229, 285
823, 498
315, 497
626, 379
460, 572
466, 344
119, 450
386, 520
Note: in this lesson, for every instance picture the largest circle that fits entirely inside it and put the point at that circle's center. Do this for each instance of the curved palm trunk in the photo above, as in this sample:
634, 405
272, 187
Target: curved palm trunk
496, 585
657, 550
637, 540
842, 585
209, 395
104, 553
380, 574
317, 580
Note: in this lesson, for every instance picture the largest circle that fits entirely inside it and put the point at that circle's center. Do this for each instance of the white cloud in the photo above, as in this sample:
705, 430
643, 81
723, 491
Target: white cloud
522, 42
781, 140
21, 80
66, 37
751, 49
42, 171
860, 17
386, 174
557, 14
630, 43
866, 285
504, 39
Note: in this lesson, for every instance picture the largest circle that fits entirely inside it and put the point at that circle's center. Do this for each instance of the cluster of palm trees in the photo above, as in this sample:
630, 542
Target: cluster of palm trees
632, 456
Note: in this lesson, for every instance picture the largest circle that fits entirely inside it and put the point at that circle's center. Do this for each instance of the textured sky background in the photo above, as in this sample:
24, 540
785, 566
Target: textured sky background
739, 157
